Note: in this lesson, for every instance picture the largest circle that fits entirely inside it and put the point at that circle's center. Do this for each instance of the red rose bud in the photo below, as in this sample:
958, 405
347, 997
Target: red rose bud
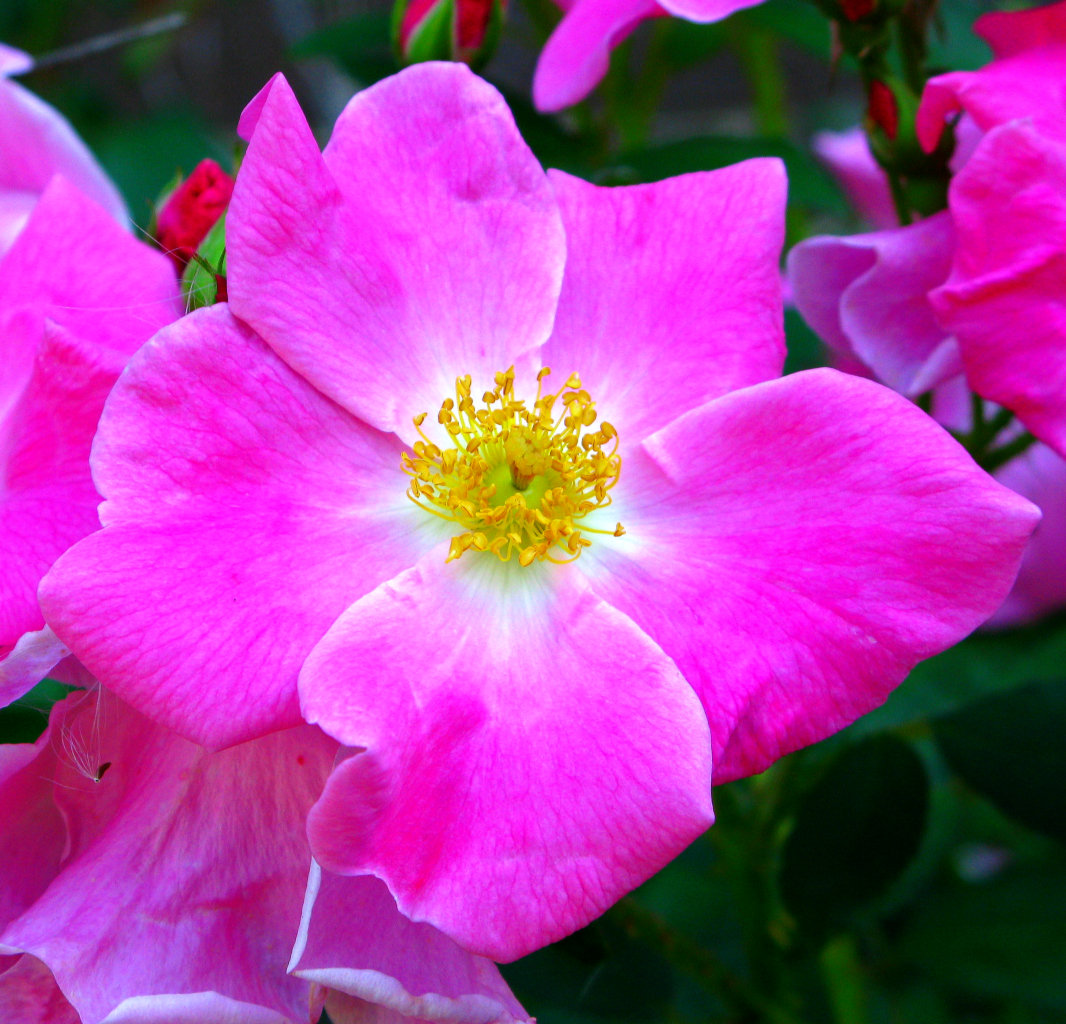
191, 211
883, 109
460, 30
855, 10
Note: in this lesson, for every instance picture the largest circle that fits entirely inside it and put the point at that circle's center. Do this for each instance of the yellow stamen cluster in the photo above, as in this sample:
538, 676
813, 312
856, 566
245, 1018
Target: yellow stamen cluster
518, 479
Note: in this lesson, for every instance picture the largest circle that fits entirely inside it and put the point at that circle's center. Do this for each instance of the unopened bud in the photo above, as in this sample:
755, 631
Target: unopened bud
856, 10
191, 210
459, 30
884, 109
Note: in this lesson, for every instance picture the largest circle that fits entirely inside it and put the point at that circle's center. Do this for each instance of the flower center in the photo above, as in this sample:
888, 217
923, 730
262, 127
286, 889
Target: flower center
518, 480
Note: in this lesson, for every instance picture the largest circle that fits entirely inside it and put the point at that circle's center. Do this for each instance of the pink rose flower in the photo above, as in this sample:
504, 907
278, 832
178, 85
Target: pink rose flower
529, 733
575, 57
144, 880
74, 305
975, 289
37, 142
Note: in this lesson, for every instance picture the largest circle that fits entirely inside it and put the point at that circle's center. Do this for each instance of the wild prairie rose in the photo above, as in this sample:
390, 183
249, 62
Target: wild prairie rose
147, 880
537, 615
37, 142
74, 304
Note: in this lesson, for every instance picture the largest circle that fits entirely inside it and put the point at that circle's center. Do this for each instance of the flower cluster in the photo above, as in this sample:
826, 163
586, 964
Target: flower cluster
969, 296
363, 699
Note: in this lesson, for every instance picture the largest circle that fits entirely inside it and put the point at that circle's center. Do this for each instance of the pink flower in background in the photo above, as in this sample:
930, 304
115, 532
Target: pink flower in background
74, 305
1024, 81
847, 155
977, 288
148, 880
575, 58
37, 142
526, 740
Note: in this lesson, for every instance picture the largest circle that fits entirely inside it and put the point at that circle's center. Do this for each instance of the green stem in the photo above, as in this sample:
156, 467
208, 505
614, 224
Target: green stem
899, 198
842, 972
759, 54
991, 461
693, 960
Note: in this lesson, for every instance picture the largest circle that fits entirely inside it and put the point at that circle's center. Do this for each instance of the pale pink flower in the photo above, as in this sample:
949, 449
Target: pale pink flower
37, 142
74, 305
528, 740
576, 56
148, 880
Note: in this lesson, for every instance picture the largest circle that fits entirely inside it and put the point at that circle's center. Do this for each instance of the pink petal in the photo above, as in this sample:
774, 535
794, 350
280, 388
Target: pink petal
1039, 475
797, 547
389, 961
672, 294
1024, 81
847, 155
529, 755
198, 1008
28, 662
116, 303
245, 512
1013, 32
13, 62
15, 209
29, 995
32, 832
575, 57
425, 243
867, 295
185, 871
37, 142
706, 10
1003, 300
47, 501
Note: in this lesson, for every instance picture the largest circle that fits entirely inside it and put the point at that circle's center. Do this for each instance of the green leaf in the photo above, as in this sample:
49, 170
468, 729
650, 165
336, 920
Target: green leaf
361, 45
805, 348
809, 184
856, 831
25, 719
1011, 748
1002, 938
141, 155
798, 21
984, 663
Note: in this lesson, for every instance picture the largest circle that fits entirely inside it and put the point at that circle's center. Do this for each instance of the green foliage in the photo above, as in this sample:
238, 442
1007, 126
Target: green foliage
361, 45
855, 831
24, 721
1011, 748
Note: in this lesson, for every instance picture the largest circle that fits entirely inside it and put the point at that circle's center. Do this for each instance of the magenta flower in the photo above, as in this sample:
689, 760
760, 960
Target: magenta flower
74, 305
532, 616
148, 880
37, 142
575, 58
1002, 299
974, 289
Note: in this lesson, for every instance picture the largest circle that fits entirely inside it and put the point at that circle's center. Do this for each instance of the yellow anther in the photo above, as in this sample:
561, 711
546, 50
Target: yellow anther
519, 477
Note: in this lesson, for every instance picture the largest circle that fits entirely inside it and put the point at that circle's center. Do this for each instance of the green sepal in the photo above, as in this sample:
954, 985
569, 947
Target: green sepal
199, 285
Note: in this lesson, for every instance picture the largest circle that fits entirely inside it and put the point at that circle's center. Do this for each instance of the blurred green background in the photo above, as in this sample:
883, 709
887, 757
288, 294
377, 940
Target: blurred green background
911, 869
